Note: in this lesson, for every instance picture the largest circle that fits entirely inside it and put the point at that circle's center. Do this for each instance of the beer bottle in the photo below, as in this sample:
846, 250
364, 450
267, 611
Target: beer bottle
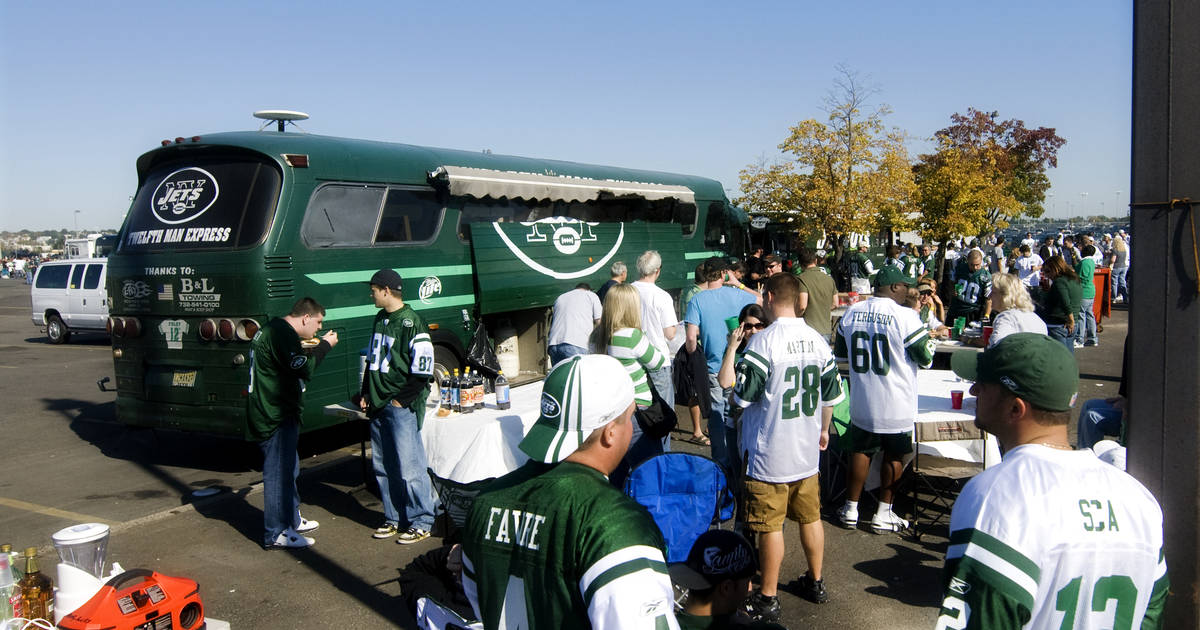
501, 387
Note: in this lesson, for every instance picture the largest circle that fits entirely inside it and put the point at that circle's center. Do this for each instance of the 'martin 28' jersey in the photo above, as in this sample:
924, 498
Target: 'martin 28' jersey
787, 375
885, 344
559, 547
1054, 539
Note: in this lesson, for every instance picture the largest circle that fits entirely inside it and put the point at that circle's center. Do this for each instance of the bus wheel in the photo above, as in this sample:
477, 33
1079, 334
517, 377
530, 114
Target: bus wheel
56, 330
444, 363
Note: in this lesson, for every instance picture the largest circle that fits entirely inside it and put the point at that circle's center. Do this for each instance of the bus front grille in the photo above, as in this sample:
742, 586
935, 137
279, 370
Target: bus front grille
281, 263
280, 287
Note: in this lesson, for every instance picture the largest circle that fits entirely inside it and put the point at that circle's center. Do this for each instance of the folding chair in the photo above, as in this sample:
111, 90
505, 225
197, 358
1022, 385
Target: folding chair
939, 478
684, 493
455, 499
834, 459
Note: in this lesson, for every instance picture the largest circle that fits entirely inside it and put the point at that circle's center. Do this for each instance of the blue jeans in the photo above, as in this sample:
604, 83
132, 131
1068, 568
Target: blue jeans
723, 438
560, 351
1119, 288
401, 468
1085, 323
1097, 419
663, 383
281, 465
1060, 334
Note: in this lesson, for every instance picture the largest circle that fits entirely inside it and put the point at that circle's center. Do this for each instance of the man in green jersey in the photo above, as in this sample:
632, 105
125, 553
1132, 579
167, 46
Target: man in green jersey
972, 288
279, 366
717, 574
394, 389
553, 544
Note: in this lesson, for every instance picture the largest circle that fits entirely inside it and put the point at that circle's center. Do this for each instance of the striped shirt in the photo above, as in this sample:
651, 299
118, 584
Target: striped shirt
637, 354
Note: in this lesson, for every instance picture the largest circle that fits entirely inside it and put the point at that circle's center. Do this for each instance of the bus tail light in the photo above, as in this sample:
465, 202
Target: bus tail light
115, 326
225, 329
127, 327
246, 329
208, 330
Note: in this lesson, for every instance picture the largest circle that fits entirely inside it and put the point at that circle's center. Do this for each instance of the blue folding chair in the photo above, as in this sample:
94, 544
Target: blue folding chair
684, 493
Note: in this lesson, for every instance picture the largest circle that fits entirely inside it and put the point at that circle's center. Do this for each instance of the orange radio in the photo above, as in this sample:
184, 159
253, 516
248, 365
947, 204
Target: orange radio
140, 599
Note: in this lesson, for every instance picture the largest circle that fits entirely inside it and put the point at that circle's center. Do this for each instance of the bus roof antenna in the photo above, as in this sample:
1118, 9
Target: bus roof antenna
280, 117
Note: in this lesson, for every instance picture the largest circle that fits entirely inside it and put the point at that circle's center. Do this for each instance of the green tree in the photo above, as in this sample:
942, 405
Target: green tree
845, 175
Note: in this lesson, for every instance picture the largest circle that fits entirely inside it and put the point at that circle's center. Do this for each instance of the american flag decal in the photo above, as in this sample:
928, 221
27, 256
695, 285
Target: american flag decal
166, 292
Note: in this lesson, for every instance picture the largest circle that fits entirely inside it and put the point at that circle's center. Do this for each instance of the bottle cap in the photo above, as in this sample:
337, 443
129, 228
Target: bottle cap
31, 552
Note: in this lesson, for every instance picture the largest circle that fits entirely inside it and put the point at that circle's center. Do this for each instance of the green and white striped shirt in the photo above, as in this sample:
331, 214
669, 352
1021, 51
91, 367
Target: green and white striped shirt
637, 354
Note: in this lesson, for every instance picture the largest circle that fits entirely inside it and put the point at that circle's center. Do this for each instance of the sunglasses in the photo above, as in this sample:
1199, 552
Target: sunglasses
758, 326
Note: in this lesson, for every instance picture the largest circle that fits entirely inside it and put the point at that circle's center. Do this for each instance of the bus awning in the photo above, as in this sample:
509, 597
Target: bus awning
480, 182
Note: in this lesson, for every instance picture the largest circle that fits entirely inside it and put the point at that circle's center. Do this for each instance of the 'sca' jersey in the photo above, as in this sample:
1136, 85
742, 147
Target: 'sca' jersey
885, 343
784, 379
1054, 539
548, 547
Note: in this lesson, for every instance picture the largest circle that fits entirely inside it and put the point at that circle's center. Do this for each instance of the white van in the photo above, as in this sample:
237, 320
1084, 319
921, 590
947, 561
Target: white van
69, 296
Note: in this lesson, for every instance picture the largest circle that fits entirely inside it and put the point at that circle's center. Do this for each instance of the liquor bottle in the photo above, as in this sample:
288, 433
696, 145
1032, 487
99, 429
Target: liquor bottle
479, 390
444, 396
455, 393
468, 391
501, 387
37, 591
14, 561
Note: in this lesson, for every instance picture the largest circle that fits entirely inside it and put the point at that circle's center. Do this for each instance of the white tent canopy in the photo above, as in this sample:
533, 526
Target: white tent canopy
480, 182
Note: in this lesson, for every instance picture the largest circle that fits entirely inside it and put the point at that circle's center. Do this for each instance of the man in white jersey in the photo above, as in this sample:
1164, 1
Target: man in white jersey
885, 343
787, 383
1050, 537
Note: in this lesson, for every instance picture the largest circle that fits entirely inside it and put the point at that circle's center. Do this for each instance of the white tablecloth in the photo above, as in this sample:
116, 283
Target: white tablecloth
933, 405
467, 447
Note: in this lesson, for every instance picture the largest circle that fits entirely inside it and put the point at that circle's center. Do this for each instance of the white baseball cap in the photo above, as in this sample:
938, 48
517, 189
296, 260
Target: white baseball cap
580, 395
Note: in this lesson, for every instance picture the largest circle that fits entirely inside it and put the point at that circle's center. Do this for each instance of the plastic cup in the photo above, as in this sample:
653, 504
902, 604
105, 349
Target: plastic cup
732, 323
956, 398
987, 334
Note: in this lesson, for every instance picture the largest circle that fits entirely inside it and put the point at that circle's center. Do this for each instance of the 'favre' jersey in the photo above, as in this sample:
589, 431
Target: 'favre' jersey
1054, 539
399, 360
885, 343
549, 547
784, 379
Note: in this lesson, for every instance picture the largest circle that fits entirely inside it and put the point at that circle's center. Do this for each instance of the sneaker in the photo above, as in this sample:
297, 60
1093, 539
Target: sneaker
847, 518
1078, 345
290, 539
412, 535
763, 608
307, 525
888, 522
387, 530
812, 590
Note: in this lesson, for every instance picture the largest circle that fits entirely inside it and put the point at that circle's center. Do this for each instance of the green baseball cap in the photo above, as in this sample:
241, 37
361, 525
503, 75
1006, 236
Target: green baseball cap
1033, 366
581, 394
891, 275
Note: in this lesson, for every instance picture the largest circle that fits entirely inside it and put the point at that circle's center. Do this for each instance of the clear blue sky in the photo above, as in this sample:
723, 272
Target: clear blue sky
702, 88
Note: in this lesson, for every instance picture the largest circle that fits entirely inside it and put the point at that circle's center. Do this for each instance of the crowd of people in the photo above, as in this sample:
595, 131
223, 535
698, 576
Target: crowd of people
752, 351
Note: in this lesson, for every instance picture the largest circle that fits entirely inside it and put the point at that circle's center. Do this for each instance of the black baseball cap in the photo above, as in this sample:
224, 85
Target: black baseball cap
716, 556
386, 278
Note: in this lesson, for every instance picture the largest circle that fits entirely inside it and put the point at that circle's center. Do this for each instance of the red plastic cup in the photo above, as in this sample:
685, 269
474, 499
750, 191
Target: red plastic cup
956, 397
987, 334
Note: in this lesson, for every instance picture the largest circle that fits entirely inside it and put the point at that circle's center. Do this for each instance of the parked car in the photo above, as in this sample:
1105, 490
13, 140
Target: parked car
69, 296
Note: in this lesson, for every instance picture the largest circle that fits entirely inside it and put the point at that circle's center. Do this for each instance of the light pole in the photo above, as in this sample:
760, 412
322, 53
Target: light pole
76, 220
1083, 203
1117, 202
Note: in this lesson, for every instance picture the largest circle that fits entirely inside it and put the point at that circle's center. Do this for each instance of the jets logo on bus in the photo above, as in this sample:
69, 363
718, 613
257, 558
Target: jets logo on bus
184, 195
546, 241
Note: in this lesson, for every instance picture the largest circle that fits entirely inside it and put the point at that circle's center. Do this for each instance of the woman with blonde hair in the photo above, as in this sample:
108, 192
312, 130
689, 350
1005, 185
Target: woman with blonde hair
1012, 310
619, 335
1120, 266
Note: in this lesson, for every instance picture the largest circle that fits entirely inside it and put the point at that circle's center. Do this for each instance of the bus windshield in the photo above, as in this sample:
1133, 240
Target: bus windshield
202, 204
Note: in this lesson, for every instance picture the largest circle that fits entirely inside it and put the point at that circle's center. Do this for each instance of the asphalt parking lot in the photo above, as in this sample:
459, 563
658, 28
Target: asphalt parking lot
68, 461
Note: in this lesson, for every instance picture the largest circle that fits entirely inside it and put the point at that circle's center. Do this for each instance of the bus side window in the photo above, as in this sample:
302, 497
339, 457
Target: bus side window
340, 216
685, 216
715, 225
409, 216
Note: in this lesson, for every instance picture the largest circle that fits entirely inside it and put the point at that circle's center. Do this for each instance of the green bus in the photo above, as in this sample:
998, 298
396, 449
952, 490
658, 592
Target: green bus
229, 229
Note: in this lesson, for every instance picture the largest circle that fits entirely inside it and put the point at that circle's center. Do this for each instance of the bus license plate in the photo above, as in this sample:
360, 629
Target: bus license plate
184, 379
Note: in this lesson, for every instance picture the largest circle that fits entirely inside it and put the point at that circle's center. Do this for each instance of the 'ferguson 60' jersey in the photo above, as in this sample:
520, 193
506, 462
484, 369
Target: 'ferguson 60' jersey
559, 547
787, 375
885, 344
1054, 539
